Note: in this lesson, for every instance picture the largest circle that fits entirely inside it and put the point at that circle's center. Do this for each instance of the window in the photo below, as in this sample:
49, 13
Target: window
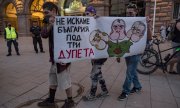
176, 13
118, 7
141, 4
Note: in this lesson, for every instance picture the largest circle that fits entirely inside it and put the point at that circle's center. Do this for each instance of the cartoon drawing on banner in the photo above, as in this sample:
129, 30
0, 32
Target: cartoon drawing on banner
118, 31
98, 39
119, 49
116, 42
137, 31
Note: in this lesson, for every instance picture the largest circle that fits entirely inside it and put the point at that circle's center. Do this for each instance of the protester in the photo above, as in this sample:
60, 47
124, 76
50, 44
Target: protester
59, 75
11, 36
35, 29
131, 62
175, 42
96, 74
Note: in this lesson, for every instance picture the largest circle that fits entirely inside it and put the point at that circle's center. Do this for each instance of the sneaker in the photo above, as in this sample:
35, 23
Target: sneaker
89, 98
135, 90
103, 94
42, 51
8, 55
122, 96
173, 72
46, 102
68, 104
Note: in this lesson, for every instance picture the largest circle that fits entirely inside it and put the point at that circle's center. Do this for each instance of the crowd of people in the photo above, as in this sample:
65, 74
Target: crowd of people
59, 75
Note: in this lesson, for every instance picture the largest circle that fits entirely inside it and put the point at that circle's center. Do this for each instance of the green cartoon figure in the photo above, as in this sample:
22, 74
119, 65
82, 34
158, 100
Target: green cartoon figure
119, 49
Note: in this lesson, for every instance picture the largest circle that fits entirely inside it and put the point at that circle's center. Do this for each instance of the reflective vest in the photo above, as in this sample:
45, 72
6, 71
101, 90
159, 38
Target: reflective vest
10, 34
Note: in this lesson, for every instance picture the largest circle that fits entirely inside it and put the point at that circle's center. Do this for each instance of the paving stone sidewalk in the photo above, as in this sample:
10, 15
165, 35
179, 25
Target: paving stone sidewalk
24, 81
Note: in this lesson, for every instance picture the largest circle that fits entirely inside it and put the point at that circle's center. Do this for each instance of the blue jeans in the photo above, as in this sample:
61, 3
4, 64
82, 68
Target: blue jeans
131, 73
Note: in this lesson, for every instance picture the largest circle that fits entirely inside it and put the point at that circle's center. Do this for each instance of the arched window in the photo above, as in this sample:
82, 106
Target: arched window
10, 11
75, 7
36, 9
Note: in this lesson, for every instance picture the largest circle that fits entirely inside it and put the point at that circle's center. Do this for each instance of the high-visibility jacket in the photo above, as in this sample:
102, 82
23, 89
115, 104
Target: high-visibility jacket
10, 33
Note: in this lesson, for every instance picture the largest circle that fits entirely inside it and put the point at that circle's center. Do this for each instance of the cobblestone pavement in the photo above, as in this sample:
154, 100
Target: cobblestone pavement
24, 82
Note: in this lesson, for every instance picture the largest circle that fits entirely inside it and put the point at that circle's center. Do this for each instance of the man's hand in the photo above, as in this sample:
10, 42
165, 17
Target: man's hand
95, 17
118, 60
148, 20
52, 20
62, 63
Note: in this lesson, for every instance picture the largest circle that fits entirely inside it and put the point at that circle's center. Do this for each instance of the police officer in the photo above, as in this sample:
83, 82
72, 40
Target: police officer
35, 29
10, 35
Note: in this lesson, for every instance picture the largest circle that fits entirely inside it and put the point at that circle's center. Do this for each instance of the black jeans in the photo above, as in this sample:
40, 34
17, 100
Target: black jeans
9, 42
39, 41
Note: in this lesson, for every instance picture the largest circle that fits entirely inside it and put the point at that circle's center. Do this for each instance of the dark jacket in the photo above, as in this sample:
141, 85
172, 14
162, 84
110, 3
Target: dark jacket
176, 33
36, 30
50, 35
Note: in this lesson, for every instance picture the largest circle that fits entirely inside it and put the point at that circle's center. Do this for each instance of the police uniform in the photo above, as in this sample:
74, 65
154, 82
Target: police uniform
36, 38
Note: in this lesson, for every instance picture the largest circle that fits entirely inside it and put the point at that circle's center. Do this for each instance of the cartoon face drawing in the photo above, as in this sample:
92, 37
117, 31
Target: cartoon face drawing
137, 31
118, 30
98, 39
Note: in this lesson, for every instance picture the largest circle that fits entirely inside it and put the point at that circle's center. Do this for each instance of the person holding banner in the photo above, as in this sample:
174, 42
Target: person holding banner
131, 62
59, 75
96, 74
175, 42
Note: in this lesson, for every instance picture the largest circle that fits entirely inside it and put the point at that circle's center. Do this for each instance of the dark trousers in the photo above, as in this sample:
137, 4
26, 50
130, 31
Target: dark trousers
39, 41
9, 42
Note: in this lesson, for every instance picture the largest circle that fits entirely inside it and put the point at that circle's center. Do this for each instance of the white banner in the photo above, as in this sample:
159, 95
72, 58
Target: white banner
79, 37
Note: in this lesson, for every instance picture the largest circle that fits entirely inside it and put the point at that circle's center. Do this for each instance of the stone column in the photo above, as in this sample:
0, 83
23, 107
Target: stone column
23, 24
102, 7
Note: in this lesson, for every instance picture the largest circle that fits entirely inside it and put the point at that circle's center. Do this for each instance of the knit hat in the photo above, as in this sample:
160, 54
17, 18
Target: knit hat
131, 5
90, 9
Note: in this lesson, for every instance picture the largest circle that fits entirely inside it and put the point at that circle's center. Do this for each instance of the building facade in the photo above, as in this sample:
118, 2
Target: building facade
21, 13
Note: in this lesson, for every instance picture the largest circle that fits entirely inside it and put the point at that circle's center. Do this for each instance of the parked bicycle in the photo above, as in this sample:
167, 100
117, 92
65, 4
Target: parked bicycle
152, 59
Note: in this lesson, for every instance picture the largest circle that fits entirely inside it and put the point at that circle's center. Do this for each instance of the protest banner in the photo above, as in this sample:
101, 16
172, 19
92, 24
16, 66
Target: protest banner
79, 37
